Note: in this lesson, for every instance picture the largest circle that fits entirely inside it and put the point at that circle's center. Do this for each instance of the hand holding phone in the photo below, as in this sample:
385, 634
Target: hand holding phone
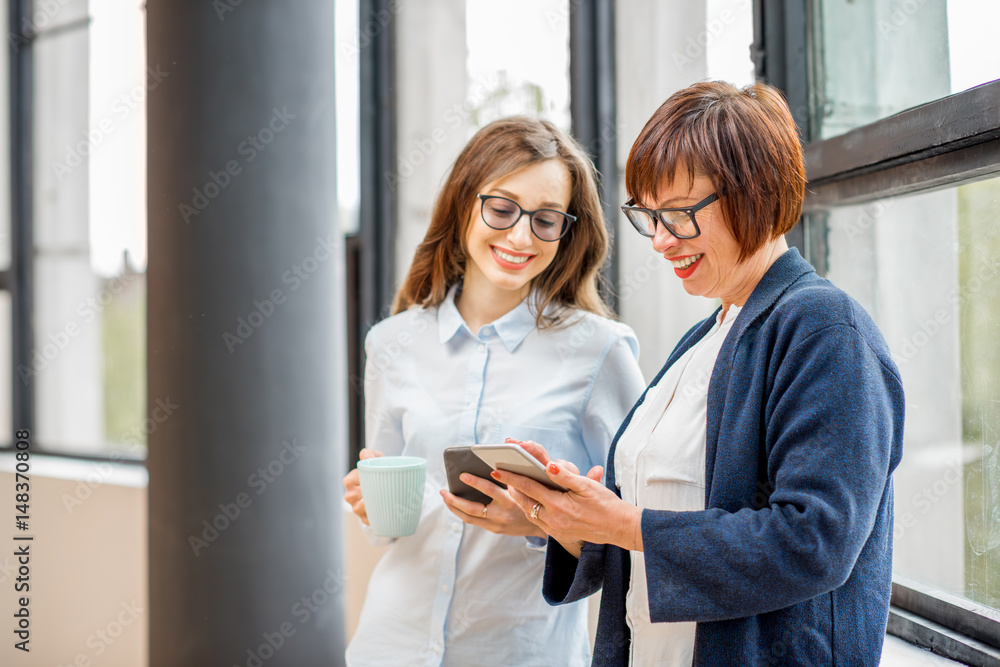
461, 459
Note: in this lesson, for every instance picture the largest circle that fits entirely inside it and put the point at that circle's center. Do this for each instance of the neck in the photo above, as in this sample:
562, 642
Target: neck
756, 266
482, 302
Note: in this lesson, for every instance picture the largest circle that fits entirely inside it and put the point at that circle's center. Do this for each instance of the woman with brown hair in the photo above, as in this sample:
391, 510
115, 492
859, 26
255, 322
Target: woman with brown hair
746, 515
498, 332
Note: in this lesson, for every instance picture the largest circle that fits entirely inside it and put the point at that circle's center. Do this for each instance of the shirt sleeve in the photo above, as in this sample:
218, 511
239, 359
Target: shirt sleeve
831, 420
383, 422
616, 386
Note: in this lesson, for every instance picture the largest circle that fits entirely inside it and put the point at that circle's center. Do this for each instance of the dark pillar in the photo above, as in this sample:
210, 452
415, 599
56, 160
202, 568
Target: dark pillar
246, 376
594, 111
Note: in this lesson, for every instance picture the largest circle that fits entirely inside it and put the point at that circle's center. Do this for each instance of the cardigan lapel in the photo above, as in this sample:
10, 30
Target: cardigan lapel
783, 273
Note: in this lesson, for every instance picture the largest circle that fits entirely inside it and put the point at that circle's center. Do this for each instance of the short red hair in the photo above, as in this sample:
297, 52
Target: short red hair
744, 140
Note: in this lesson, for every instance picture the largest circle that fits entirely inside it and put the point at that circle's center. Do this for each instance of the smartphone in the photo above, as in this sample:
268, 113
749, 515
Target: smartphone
461, 459
513, 458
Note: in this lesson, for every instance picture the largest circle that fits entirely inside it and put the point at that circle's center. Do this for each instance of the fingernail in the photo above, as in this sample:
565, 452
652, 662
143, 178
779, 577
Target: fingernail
495, 475
553, 468
465, 477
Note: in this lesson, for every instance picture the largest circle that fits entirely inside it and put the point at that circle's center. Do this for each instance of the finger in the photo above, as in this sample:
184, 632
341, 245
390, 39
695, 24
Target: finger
370, 454
566, 478
596, 473
535, 450
467, 507
533, 490
482, 485
568, 465
523, 501
359, 510
351, 479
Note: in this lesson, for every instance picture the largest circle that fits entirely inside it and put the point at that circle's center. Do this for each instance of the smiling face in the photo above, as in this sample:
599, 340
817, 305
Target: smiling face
502, 263
708, 264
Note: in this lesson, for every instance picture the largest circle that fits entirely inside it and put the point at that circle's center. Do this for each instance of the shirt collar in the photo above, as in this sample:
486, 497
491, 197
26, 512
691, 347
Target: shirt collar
511, 329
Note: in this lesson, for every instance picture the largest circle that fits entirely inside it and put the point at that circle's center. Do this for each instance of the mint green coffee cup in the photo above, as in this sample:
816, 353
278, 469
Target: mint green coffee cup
393, 489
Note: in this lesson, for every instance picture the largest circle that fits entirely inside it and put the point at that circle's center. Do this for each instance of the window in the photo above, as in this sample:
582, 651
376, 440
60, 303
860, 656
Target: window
903, 211
86, 371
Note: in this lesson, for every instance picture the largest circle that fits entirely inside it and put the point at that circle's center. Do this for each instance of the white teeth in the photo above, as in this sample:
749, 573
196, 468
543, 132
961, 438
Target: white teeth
510, 258
686, 262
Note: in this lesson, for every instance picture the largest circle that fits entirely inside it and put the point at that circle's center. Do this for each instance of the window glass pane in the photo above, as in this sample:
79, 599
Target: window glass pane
874, 58
927, 267
726, 39
88, 365
518, 60
348, 98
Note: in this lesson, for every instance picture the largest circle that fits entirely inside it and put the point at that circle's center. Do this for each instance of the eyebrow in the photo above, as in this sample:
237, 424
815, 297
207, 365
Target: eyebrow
511, 195
673, 203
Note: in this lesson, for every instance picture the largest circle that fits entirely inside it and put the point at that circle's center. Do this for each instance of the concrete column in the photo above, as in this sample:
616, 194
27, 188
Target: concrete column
245, 336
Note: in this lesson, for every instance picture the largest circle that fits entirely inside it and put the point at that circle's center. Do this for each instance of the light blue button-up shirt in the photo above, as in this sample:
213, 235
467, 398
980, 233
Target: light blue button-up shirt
455, 594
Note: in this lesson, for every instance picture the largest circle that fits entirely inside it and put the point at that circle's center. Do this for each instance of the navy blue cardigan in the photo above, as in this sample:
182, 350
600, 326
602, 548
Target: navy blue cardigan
791, 561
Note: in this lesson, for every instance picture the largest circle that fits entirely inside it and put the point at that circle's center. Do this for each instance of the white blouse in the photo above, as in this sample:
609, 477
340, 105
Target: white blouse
455, 594
660, 464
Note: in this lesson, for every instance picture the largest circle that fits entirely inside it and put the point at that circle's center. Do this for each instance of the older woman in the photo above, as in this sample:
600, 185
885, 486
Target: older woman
747, 512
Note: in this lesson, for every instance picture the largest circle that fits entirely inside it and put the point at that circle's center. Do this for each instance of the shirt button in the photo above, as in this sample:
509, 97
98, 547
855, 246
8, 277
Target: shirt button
488, 331
444, 589
480, 347
456, 527
436, 648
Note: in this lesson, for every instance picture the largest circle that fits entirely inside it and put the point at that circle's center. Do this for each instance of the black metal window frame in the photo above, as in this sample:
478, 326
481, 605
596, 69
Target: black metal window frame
952, 140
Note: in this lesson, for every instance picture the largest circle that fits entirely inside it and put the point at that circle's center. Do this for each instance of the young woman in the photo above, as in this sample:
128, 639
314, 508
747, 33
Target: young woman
498, 332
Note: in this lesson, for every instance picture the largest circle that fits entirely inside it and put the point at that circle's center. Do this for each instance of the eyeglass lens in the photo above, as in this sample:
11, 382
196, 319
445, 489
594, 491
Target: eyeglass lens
500, 213
679, 222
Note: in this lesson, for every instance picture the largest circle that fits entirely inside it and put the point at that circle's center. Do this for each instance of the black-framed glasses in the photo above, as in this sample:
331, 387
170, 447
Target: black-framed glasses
678, 221
547, 224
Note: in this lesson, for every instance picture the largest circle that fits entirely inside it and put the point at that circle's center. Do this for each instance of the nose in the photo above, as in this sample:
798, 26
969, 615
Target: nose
664, 240
519, 235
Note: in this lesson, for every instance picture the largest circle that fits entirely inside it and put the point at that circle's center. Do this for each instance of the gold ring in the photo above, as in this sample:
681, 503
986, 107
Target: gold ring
534, 510
485, 507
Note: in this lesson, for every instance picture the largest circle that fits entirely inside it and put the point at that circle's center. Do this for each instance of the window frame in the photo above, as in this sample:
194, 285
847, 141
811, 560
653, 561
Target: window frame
951, 140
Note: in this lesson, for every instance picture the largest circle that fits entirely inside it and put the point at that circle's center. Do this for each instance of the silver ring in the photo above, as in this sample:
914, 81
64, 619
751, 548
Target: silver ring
534, 510
485, 507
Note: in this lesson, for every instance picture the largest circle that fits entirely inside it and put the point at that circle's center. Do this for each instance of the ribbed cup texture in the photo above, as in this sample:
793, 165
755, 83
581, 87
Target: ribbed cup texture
393, 489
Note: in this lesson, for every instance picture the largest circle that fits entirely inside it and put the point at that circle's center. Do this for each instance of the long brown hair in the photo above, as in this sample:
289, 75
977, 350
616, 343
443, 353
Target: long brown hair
499, 149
